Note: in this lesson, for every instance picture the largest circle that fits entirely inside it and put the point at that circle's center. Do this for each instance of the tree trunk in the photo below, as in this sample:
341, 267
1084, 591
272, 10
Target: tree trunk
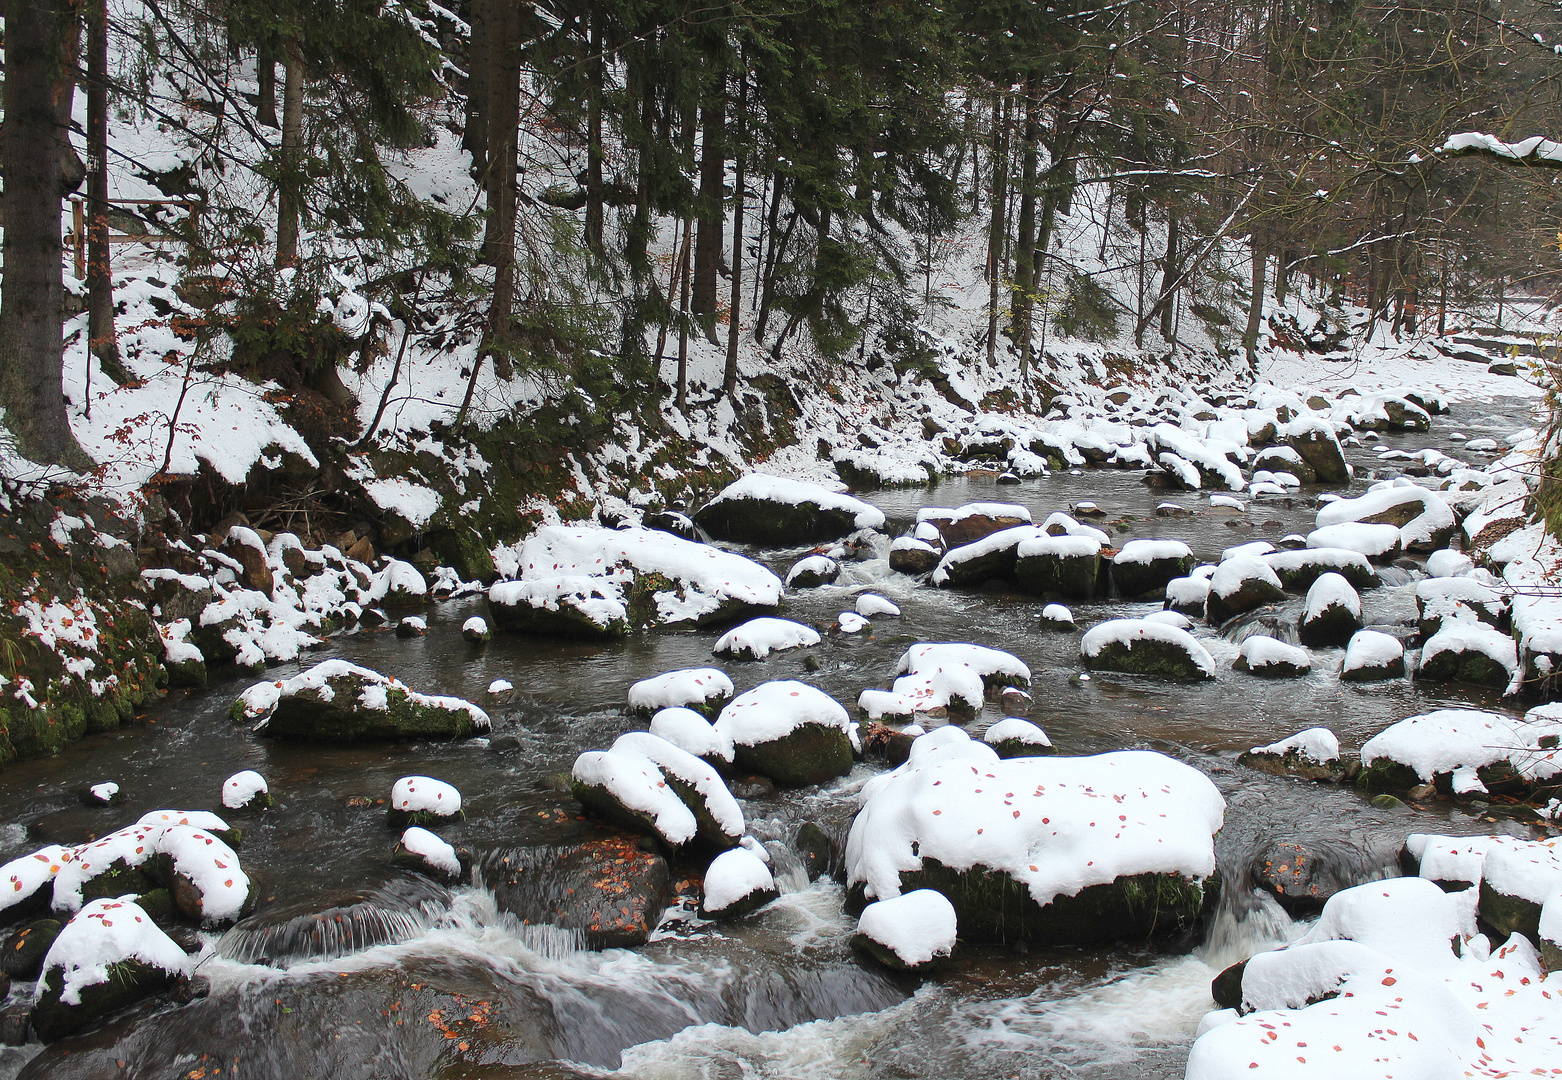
1169, 278
40, 38
683, 318
772, 257
290, 182
1255, 305
504, 117
729, 379
474, 134
594, 185
998, 226
1025, 239
713, 170
100, 279
266, 81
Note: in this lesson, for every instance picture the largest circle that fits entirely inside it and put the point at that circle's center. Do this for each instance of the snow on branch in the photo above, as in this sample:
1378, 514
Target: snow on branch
1532, 151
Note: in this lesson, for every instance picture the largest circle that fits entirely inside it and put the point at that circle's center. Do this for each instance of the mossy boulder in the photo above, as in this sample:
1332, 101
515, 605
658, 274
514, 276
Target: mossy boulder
810, 754
1509, 914
1293, 762
1468, 665
21, 957
340, 702
771, 511
1164, 651
128, 981
1335, 624
1322, 453
1050, 573
1386, 774
993, 907
1135, 578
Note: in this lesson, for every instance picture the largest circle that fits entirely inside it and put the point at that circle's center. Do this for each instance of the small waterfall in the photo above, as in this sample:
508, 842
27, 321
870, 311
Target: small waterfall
397, 911
1266, 621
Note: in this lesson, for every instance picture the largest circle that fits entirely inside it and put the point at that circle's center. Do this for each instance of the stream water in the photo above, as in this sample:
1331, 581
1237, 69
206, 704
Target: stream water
780, 994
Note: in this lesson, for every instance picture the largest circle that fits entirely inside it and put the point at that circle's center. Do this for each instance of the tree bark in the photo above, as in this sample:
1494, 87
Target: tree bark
100, 279
474, 132
266, 84
504, 117
1169, 278
290, 181
1255, 305
1024, 290
713, 175
40, 39
683, 318
729, 380
998, 226
594, 184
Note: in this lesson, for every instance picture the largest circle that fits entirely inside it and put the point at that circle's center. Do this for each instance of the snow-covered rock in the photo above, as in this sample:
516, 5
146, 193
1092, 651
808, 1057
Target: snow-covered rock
1145, 566
246, 790
1424, 520
422, 800
422, 852
1470, 651
27, 882
1015, 736
690, 731
1272, 658
1332, 612
794, 733
476, 630
110, 955
812, 571
973, 521
758, 638
1372, 655
337, 701
717, 816
1067, 565
1379, 543
1298, 569
736, 883
1064, 849
1463, 751
1187, 595
1057, 617
871, 606
1240, 585
608, 582
1448, 563
933, 678
1313, 440
1140, 647
1313, 754
705, 690
1439, 599
909, 932
993, 556
764, 509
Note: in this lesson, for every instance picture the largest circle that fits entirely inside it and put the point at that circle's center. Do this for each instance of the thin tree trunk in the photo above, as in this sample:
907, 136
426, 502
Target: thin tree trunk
1255, 305
40, 40
773, 260
1169, 277
713, 170
998, 226
683, 320
290, 182
729, 379
594, 184
474, 133
100, 279
504, 110
759, 240
1024, 289
266, 84
680, 261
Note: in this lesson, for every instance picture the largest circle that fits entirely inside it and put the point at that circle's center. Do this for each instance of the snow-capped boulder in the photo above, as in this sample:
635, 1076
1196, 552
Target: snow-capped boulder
610, 891
1464, 752
182, 658
993, 556
793, 733
1067, 566
203, 874
396, 583
1423, 518
1146, 566
110, 955
1058, 617
1519, 880
1469, 651
609, 582
909, 932
1314, 441
424, 853
1040, 849
246, 790
1271, 658
411, 626
935, 678
973, 521
1379, 543
337, 701
1313, 754
1240, 585
1298, 569
1332, 613
718, 819
476, 630
1284, 459
813, 571
705, 690
1015, 736
27, 882
736, 883
763, 509
1448, 563
1371, 656
1187, 595
1453, 598
910, 555
872, 605
690, 731
1139, 647
758, 638
861, 468
422, 800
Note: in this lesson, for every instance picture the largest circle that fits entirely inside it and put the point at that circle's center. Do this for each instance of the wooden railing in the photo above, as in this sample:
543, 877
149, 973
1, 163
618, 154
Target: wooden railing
77, 236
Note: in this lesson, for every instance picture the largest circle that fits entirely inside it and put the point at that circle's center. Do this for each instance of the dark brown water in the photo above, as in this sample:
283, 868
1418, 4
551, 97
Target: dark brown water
779, 995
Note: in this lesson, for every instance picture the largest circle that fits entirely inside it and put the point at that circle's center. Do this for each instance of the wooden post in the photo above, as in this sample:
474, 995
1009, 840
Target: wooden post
78, 236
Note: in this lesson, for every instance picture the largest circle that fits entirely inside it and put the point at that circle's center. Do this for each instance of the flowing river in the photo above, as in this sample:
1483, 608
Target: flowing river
779, 994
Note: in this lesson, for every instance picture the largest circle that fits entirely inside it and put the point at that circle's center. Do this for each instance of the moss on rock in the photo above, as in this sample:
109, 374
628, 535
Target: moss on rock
809, 754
